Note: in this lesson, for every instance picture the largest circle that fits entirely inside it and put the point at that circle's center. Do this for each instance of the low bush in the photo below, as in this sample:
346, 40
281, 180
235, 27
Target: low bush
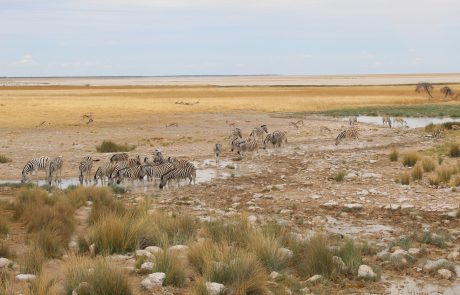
454, 150
314, 257
171, 265
32, 260
445, 173
267, 249
351, 254
108, 146
433, 180
428, 164
43, 285
4, 159
410, 159
404, 179
5, 250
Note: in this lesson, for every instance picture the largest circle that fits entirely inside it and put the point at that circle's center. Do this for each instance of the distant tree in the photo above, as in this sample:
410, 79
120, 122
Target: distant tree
424, 87
447, 91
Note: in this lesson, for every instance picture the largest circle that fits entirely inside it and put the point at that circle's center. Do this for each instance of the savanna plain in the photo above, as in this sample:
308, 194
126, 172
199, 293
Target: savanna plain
377, 214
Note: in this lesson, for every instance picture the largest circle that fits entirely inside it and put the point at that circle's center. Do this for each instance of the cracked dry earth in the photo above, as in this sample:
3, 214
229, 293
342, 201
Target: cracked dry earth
295, 186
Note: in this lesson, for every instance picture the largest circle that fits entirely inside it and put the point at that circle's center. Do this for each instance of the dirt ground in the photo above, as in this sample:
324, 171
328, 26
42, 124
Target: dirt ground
294, 185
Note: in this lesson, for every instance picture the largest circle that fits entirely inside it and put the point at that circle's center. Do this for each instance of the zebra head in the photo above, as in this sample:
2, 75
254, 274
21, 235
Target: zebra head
264, 128
268, 139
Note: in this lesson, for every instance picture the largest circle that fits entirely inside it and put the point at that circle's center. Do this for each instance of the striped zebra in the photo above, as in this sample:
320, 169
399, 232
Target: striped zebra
131, 173
158, 157
258, 132
104, 171
55, 169
400, 121
217, 151
85, 167
236, 133
386, 120
148, 161
122, 165
352, 120
249, 145
119, 157
234, 143
276, 139
36, 164
178, 174
350, 133
156, 171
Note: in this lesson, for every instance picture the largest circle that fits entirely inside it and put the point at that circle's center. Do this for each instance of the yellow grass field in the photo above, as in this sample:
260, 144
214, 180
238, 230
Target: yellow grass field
64, 106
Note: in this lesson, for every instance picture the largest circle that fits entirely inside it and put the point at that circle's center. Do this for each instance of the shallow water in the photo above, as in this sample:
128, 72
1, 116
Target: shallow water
411, 122
410, 287
341, 227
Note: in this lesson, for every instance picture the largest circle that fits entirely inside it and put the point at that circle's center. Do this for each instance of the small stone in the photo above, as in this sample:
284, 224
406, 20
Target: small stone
445, 273
286, 252
431, 265
153, 280
371, 175
179, 248
92, 249
147, 266
279, 186
315, 279
366, 272
413, 251
453, 255
143, 253
286, 212
4, 262
252, 219
215, 288
351, 175
315, 197
353, 206
330, 204
274, 275
154, 249
25, 277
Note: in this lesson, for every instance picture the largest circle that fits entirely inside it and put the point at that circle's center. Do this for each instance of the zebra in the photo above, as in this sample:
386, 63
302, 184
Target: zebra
352, 120
147, 161
119, 157
386, 120
276, 139
131, 173
122, 165
156, 171
36, 164
236, 133
158, 157
104, 171
134, 161
55, 167
179, 173
400, 121
217, 151
234, 143
351, 132
249, 145
85, 169
258, 132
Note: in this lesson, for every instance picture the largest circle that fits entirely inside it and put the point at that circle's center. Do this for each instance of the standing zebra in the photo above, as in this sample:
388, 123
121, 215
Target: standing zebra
119, 157
36, 164
156, 171
236, 133
276, 139
188, 171
104, 171
131, 173
249, 145
55, 168
400, 121
352, 120
217, 151
386, 120
122, 165
258, 132
158, 157
85, 169
351, 133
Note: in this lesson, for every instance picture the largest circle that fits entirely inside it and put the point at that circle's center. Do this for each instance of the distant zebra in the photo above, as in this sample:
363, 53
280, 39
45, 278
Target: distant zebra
55, 169
236, 133
131, 173
352, 120
156, 171
36, 164
85, 169
400, 121
104, 171
386, 120
179, 173
276, 139
217, 151
249, 145
158, 157
234, 143
119, 157
350, 133
258, 132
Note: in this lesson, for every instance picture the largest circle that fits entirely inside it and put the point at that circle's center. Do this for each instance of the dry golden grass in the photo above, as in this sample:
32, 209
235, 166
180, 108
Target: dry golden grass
64, 106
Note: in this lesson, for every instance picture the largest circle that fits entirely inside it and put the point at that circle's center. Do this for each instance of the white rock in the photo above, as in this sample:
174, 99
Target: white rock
353, 206
179, 248
147, 266
365, 271
153, 280
413, 251
286, 252
279, 186
351, 175
214, 288
4, 262
399, 252
453, 255
154, 249
363, 193
407, 206
315, 197
434, 264
25, 277
392, 206
330, 204
119, 257
92, 249
274, 275
315, 279
445, 273
286, 212
252, 218
371, 175
82, 288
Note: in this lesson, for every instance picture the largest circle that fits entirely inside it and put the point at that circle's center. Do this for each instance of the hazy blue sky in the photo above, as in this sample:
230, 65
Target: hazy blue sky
183, 37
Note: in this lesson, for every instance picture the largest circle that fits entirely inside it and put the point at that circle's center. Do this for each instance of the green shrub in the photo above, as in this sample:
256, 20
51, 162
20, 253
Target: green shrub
314, 257
433, 180
351, 255
267, 249
170, 264
410, 159
108, 146
340, 175
445, 173
32, 260
4, 159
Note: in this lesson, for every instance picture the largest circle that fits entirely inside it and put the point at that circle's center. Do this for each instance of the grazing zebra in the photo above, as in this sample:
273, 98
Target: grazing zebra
353, 120
217, 151
276, 139
55, 169
104, 171
156, 171
258, 132
36, 164
119, 157
351, 133
386, 120
179, 173
400, 121
131, 173
85, 169
249, 145
147, 161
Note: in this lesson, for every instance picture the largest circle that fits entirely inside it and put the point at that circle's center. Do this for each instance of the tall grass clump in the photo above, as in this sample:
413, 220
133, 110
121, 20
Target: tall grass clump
5, 250
456, 181
108, 146
433, 180
268, 250
417, 172
428, 164
410, 159
351, 255
43, 285
100, 278
234, 232
404, 179
4, 159
4, 228
32, 260
314, 257
445, 173
454, 150
171, 265
340, 176
394, 155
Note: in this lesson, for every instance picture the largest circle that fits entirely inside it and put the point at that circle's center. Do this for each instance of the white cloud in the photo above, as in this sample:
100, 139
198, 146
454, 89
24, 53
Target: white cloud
26, 60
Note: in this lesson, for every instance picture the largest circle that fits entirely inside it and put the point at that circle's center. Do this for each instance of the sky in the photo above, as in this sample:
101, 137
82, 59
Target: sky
228, 37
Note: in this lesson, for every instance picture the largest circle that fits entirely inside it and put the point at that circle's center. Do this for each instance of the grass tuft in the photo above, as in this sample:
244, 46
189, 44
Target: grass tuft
4, 159
172, 266
108, 146
314, 257
404, 179
410, 159
445, 173
394, 155
454, 150
340, 175
351, 255
43, 285
417, 172
428, 164
32, 260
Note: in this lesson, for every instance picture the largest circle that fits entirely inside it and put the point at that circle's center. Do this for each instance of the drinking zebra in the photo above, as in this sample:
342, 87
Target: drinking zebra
386, 120
119, 157
104, 171
156, 171
55, 169
131, 173
258, 132
122, 165
36, 164
179, 173
350, 133
158, 157
85, 169
217, 151
352, 120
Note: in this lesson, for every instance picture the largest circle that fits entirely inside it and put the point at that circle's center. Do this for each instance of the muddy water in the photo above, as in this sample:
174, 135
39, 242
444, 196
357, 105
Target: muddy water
411, 122
409, 286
